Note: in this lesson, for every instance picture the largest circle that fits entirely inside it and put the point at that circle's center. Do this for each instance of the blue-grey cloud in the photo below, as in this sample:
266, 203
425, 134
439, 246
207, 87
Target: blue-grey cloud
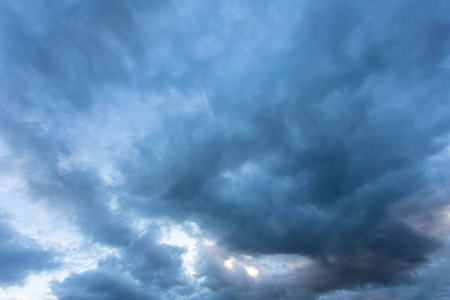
154, 271
99, 284
429, 281
20, 257
319, 148
289, 128
151, 263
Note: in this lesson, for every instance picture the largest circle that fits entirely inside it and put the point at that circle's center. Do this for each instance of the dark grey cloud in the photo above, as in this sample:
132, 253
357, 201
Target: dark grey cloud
66, 51
55, 58
150, 262
144, 270
304, 129
315, 169
79, 190
20, 257
98, 284
428, 281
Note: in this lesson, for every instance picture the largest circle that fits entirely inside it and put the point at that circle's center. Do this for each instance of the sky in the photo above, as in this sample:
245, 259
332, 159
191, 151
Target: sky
262, 149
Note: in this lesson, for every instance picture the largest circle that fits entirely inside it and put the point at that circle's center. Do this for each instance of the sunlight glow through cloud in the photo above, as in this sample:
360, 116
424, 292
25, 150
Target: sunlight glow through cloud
228, 263
252, 271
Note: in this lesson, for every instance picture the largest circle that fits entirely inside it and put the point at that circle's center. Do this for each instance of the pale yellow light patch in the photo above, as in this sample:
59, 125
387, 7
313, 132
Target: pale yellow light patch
252, 271
228, 263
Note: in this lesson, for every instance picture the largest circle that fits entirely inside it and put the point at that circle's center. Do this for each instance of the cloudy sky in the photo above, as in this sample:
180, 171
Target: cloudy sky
187, 149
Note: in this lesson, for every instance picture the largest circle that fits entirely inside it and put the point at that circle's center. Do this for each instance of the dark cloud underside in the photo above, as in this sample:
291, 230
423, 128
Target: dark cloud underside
20, 257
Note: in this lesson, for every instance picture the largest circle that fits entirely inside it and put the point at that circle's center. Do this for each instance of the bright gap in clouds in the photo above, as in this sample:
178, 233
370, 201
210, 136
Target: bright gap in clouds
176, 236
35, 221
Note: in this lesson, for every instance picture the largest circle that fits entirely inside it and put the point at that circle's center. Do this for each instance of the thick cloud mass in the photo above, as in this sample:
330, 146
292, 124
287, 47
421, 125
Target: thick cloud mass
99, 285
19, 257
314, 129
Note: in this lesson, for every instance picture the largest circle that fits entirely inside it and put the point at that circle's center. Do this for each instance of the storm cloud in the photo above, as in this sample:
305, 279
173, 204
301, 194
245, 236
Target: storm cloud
20, 257
230, 150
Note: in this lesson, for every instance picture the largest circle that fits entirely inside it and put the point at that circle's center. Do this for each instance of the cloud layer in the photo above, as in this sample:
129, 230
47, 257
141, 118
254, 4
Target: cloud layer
309, 131
20, 257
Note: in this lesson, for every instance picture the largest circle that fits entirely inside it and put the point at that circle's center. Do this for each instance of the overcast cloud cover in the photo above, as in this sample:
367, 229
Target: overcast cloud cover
224, 149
